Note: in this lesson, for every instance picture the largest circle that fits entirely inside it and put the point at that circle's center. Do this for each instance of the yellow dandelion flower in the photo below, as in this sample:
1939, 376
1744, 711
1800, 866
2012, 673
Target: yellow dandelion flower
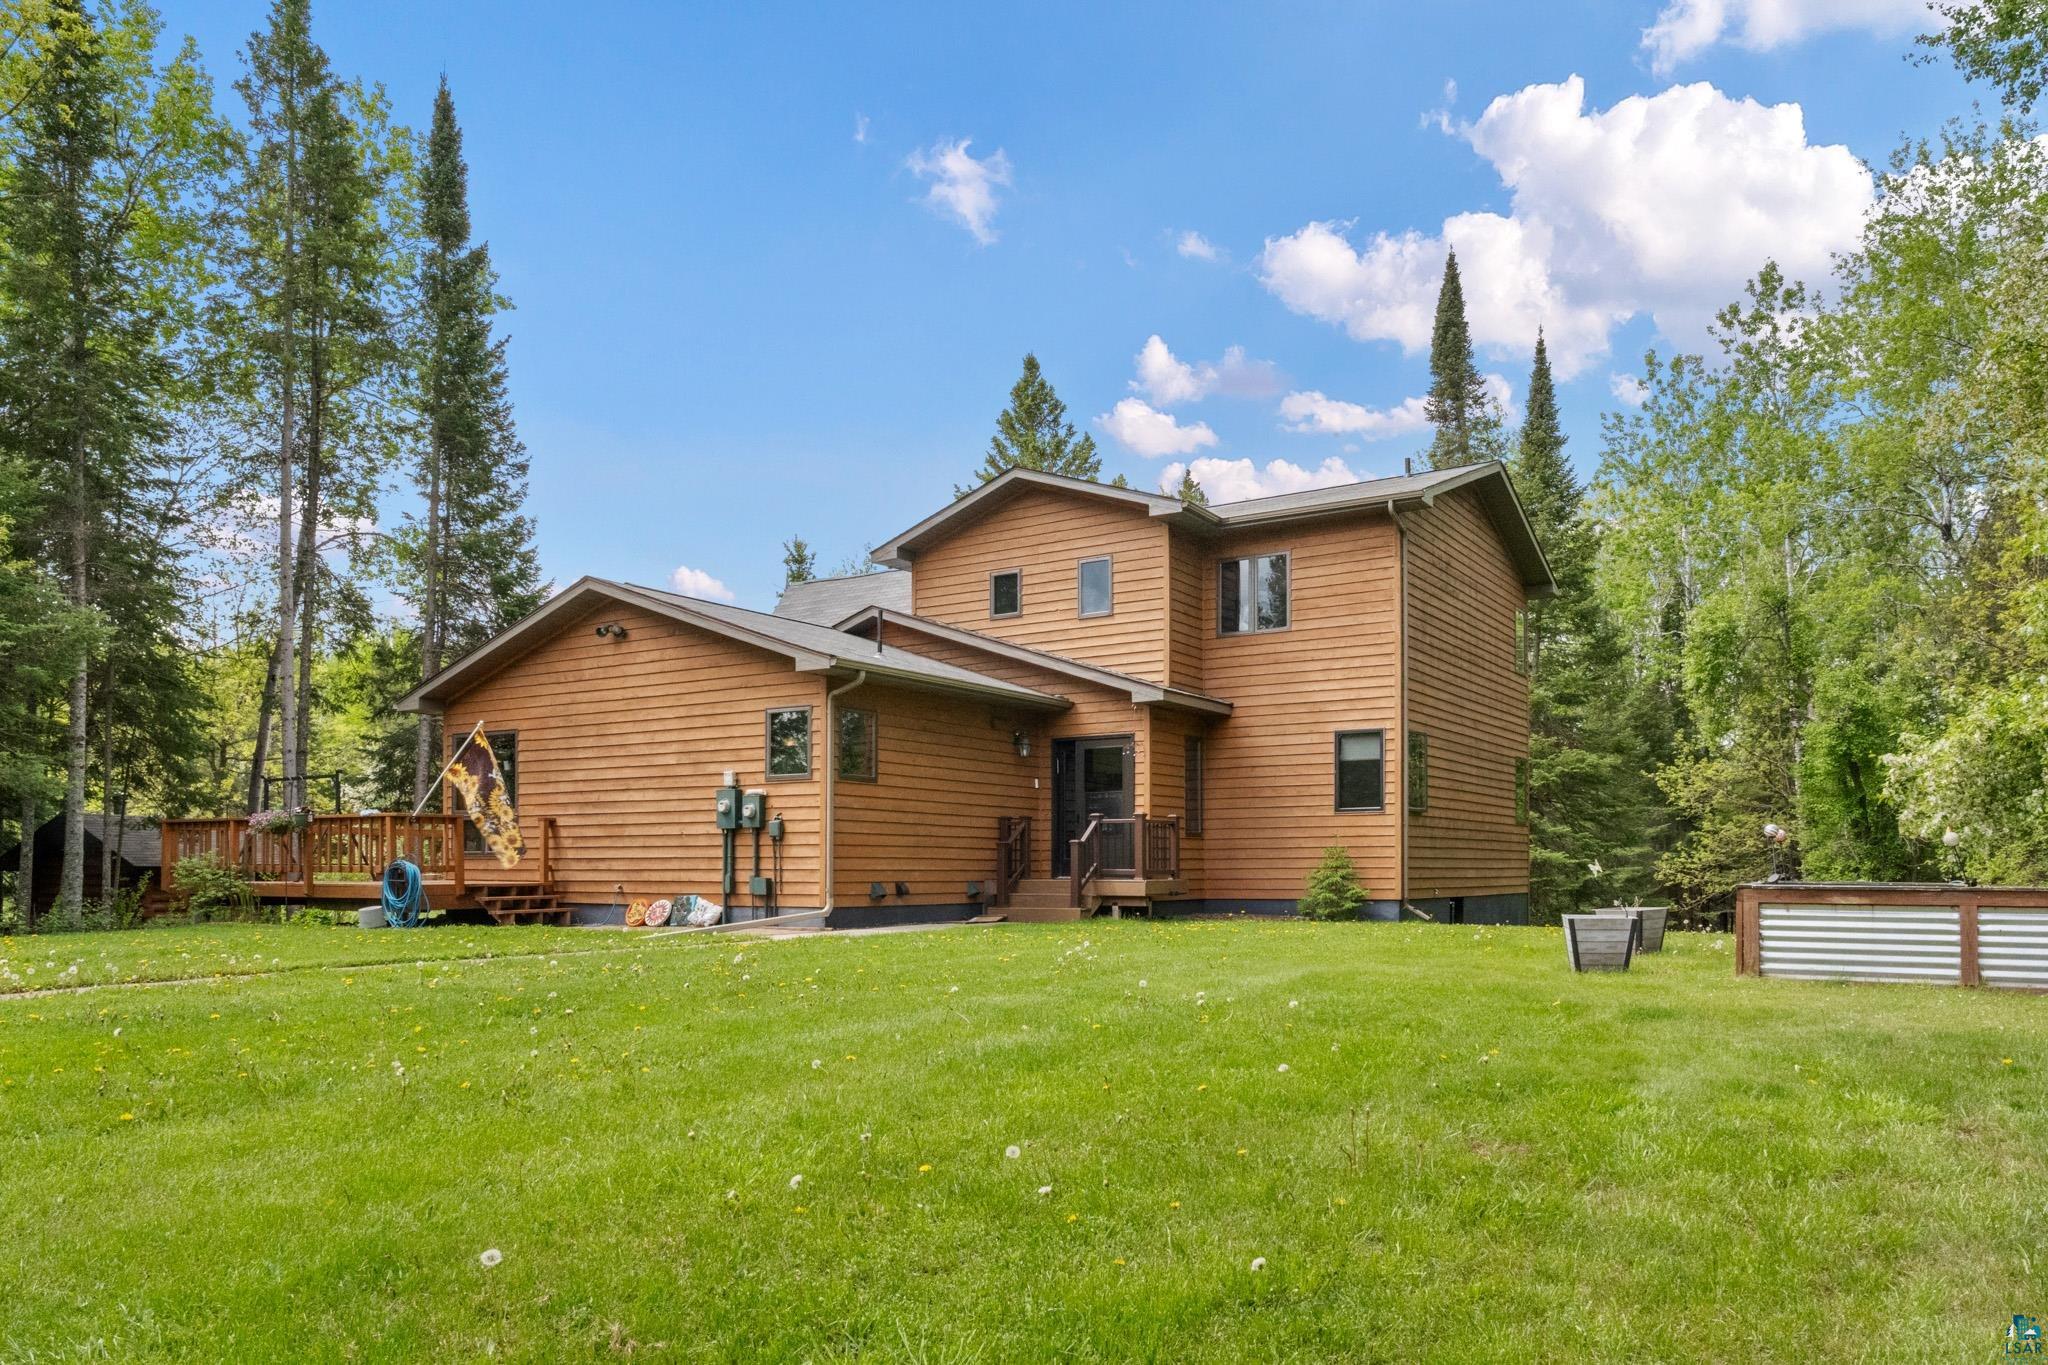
926, 1167
127, 1118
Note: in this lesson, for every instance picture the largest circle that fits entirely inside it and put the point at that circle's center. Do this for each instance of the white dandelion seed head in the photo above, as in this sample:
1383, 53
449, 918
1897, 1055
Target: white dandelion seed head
490, 1257
1044, 1190
1294, 1004
1013, 1151
816, 1064
1282, 1067
795, 1181
1258, 1263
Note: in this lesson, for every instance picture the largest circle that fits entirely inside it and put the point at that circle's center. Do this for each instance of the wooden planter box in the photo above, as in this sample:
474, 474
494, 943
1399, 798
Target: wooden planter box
1650, 921
1600, 943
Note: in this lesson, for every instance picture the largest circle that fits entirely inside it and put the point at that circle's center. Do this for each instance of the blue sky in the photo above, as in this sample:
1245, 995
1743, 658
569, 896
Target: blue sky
761, 289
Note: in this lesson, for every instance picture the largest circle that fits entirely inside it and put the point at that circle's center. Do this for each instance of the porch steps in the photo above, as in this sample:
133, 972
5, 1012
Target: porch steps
1040, 900
515, 903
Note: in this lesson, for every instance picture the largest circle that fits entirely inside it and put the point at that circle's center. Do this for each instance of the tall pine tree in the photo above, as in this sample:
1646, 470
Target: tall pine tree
1468, 422
799, 561
1034, 433
473, 554
1592, 808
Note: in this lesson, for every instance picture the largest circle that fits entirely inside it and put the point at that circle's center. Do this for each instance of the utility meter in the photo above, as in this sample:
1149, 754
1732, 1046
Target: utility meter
728, 807
753, 809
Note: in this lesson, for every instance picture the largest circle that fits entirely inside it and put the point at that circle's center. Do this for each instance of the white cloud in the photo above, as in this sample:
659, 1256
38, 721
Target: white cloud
1685, 28
963, 188
1661, 205
1628, 389
696, 583
1236, 480
1166, 379
1311, 410
1143, 429
1196, 247
860, 127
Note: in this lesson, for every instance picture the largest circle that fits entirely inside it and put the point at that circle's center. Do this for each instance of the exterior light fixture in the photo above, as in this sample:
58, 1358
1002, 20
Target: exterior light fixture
1022, 743
612, 629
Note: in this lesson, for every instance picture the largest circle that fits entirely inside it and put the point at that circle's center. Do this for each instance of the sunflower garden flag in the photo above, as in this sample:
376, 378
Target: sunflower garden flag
474, 772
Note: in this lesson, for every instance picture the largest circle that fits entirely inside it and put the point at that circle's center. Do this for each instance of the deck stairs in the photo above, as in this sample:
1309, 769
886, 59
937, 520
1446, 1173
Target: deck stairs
520, 902
1040, 900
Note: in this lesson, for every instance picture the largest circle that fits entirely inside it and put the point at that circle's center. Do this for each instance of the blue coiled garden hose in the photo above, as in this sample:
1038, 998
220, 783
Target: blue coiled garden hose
404, 897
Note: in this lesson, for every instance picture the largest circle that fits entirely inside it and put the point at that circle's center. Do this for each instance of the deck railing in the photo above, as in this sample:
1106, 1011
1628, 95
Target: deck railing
1013, 854
331, 849
1142, 847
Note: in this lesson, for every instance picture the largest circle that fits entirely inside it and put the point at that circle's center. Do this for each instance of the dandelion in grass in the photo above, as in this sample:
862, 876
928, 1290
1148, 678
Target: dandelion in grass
795, 1181
1258, 1263
925, 1169
1013, 1151
490, 1257
1282, 1068
1044, 1190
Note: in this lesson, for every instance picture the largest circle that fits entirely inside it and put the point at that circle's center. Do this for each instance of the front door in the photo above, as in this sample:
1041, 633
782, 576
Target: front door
1091, 777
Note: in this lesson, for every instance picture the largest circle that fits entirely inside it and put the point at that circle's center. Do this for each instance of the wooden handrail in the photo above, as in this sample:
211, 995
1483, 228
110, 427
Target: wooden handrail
1084, 862
1013, 855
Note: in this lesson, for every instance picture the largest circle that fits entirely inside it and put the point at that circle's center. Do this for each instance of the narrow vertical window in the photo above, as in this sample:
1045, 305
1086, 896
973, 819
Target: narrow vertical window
856, 745
1522, 642
1192, 753
789, 742
1521, 791
1094, 587
1006, 592
1418, 771
1361, 770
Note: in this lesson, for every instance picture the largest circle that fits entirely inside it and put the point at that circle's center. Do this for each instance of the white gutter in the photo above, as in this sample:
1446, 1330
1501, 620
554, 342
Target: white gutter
832, 769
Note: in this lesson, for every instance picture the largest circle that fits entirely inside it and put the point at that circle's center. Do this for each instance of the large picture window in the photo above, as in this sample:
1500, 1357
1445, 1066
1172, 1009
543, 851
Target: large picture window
1361, 770
789, 742
856, 745
1094, 587
1006, 592
1251, 594
505, 746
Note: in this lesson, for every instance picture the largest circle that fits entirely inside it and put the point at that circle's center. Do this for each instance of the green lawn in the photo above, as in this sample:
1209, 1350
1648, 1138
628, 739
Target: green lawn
1434, 1143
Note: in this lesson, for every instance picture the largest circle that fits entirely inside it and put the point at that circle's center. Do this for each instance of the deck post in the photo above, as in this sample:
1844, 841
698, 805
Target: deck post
390, 848
303, 841
1966, 940
1748, 935
167, 868
451, 835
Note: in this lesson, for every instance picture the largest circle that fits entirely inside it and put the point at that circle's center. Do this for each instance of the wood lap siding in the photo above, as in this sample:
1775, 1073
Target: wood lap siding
1095, 710
1047, 534
1192, 565
625, 742
1271, 765
1464, 693
946, 770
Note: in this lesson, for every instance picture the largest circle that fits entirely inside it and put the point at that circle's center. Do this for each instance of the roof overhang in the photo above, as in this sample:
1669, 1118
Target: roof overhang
1139, 689
899, 551
465, 672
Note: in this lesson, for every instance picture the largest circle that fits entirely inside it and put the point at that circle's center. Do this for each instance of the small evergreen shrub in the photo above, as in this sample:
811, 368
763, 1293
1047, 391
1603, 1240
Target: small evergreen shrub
1333, 891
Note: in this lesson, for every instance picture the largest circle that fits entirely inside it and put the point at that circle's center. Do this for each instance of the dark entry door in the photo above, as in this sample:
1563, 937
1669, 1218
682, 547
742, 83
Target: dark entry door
1091, 777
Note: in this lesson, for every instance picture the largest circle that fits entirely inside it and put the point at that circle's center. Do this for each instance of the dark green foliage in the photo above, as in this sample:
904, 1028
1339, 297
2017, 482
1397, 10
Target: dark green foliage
1467, 420
208, 888
799, 563
1034, 433
1191, 492
1333, 891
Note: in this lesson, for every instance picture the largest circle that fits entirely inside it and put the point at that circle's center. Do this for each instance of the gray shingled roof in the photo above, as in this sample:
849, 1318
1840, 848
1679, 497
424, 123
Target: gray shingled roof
808, 646
1343, 495
826, 600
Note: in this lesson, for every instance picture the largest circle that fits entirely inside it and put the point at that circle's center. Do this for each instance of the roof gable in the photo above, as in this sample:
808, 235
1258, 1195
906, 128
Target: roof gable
809, 647
900, 551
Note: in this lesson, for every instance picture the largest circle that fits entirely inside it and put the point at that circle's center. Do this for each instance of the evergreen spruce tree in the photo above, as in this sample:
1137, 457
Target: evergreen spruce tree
1591, 803
1333, 891
1469, 425
1191, 492
1034, 433
799, 563
476, 565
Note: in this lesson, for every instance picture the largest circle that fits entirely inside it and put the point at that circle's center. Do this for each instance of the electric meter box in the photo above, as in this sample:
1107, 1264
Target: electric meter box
753, 809
728, 807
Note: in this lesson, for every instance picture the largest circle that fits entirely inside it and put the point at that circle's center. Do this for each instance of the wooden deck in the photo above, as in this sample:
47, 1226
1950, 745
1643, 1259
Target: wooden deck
343, 857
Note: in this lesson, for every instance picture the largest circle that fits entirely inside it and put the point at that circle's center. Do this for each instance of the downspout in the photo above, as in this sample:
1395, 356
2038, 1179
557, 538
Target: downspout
832, 771
1401, 707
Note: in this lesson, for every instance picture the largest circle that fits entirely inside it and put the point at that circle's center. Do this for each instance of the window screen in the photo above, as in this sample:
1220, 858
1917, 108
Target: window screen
1361, 770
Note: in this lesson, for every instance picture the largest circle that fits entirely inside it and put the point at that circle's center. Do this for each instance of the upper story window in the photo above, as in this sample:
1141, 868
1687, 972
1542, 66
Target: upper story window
1251, 594
1094, 586
856, 757
1006, 592
1524, 642
789, 742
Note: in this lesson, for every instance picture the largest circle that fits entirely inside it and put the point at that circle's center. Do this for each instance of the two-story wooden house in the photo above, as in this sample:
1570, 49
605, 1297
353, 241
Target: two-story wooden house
1059, 697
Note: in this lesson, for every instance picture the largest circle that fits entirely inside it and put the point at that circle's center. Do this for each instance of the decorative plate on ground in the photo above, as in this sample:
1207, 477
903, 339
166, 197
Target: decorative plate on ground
657, 914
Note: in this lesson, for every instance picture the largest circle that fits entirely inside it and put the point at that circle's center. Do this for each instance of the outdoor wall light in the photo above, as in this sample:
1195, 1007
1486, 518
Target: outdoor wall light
1022, 743
613, 629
